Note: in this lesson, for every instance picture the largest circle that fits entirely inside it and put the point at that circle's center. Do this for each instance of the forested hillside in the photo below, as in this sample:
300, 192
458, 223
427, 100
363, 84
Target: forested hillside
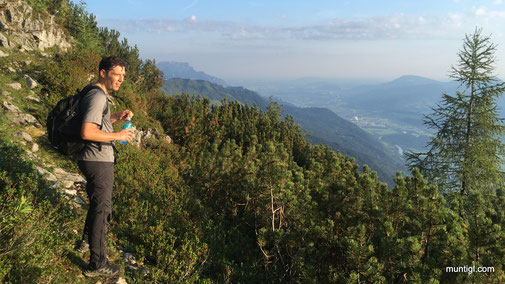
239, 196
321, 125
214, 92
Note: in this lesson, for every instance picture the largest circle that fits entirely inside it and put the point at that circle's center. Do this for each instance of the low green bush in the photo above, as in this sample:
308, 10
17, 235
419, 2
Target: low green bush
152, 213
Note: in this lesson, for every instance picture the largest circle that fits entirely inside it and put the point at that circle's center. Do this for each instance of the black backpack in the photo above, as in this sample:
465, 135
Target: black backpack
64, 124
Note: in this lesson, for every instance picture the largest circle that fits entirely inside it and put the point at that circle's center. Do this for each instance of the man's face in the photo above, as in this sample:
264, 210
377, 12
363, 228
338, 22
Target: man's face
113, 78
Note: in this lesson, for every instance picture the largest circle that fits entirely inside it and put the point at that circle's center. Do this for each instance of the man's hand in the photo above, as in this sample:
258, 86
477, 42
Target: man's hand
125, 114
126, 135
121, 115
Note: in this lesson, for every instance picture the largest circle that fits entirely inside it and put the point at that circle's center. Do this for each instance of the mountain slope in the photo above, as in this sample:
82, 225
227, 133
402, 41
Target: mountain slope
326, 127
323, 125
216, 93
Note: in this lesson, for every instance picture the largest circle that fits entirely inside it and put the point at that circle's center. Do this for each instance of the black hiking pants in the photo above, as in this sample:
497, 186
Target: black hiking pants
100, 181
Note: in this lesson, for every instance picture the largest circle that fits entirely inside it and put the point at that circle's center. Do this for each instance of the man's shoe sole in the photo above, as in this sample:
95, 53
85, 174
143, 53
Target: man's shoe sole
82, 250
97, 273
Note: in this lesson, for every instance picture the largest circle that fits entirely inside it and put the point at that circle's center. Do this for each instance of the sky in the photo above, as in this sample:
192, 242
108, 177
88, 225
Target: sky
281, 39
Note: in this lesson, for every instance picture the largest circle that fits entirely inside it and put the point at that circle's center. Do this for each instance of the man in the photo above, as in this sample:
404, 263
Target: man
96, 162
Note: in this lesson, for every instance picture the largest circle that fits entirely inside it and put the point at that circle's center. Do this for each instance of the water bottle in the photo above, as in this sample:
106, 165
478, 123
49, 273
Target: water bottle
127, 124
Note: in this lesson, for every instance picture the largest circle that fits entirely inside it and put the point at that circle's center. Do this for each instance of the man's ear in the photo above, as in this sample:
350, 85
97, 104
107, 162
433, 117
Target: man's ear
103, 73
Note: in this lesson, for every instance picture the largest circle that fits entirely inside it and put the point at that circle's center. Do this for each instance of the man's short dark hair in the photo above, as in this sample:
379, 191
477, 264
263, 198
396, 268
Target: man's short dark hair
110, 62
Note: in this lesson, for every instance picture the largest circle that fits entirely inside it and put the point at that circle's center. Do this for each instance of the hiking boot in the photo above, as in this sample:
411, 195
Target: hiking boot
108, 269
82, 246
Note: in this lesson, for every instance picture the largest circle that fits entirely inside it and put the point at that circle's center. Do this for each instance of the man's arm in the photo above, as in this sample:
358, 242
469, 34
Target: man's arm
90, 132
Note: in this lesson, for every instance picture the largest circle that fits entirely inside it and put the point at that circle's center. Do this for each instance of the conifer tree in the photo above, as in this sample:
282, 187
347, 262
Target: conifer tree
466, 152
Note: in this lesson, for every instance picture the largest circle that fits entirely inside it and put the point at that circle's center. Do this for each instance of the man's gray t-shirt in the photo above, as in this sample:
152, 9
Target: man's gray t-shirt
92, 107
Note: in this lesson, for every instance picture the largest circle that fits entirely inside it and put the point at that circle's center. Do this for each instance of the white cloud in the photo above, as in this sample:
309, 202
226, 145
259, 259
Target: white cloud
398, 26
481, 11
455, 19
387, 27
486, 13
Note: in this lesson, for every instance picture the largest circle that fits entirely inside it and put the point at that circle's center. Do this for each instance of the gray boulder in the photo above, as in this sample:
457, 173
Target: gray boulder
23, 135
32, 84
15, 86
9, 107
66, 179
46, 174
35, 147
4, 41
33, 98
25, 119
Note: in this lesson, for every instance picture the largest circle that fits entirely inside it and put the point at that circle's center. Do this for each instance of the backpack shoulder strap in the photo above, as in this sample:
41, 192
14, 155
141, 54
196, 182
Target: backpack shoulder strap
89, 88
86, 90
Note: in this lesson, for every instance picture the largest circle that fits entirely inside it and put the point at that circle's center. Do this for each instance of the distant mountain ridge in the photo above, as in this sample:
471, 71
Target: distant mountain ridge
412, 80
407, 92
323, 125
183, 70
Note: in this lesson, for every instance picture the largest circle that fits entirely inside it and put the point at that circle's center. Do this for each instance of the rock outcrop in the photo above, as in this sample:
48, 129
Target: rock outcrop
21, 27
19, 118
140, 137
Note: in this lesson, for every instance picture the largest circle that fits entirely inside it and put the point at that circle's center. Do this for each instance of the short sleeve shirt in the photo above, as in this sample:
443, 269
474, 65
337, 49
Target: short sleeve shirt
93, 105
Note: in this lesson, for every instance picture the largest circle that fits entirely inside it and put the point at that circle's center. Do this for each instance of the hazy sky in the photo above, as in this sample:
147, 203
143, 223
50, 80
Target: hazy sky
289, 39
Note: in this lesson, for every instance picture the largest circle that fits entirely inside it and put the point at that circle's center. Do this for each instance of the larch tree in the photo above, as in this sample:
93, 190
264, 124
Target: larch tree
466, 152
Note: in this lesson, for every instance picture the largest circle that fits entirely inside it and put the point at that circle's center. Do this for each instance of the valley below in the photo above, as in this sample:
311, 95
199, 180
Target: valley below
393, 112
